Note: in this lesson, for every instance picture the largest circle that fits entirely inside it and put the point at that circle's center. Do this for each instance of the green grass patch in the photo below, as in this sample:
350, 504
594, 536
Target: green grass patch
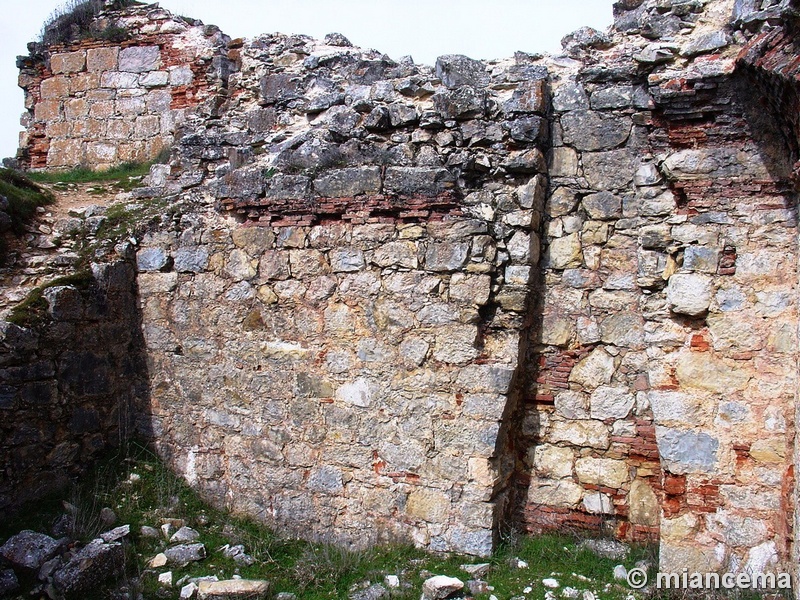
24, 196
143, 491
33, 309
125, 176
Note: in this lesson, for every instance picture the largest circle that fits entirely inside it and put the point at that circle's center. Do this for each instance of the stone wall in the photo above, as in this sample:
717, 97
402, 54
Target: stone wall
664, 386
350, 341
69, 383
97, 103
350, 334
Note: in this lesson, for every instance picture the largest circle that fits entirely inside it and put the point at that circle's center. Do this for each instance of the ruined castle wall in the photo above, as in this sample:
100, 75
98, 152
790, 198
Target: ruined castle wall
665, 381
351, 337
336, 355
97, 103
69, 383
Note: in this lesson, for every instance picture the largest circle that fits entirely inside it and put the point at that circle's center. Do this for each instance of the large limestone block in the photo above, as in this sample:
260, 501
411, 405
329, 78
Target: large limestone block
702, 370
643, 506
551, 492
594, 370
673, 558
689, 294
611, 402
687, 165
68, 62
343, 183
553, 462
102, 59
686, 451
602, 471
139, 59
580, 433
428, 505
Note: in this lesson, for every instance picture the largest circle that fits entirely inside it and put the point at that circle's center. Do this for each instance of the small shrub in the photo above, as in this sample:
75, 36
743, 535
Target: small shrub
74, 20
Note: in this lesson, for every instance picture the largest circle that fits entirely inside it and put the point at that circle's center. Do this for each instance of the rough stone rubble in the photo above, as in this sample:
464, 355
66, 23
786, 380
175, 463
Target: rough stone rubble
351, 335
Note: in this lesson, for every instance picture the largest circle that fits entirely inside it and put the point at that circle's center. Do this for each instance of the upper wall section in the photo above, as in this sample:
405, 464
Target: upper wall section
98, 103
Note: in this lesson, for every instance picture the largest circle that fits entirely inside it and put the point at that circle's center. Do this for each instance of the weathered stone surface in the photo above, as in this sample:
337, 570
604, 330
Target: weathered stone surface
644, 506
401, 254
349, 182
589, 130
570, 96
687, 451
528, 129
29, 550
561, 493
68, 62
602, 471
610, 402
707, 372
598, 503
563, 162
456, 70
689, 294
232, 588
708, 42
446, 256
425, 181
151, 259
610, 170
428, 505
673, 556
191, 260
564, 252
572, 405
581, 433
529, 97
553, 462
65, 303
182, 554
139, 59
594, 370
603, 206
102, 59
462, 103
90, 567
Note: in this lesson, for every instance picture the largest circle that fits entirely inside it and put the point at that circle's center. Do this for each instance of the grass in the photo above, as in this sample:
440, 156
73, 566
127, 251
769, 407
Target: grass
125, 176
143, 491
24, 197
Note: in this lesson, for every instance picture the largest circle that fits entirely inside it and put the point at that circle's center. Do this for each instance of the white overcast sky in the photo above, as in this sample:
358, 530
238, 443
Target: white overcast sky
423, 29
